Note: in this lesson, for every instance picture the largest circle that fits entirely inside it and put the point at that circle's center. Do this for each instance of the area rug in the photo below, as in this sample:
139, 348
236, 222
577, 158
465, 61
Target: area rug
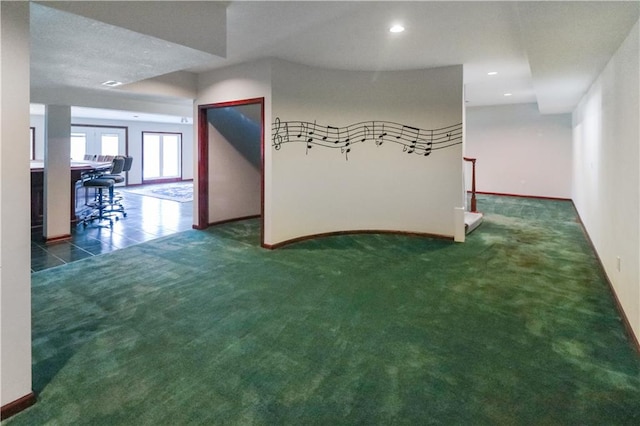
181, 192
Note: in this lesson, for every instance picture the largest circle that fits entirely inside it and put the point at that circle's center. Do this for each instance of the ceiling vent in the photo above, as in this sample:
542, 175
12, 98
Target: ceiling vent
112, 83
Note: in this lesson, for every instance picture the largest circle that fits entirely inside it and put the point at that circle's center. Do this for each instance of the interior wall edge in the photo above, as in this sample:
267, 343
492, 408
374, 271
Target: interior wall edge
626, 322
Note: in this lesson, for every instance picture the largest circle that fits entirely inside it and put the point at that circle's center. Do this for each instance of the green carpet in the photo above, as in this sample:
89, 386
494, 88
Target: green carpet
516, 326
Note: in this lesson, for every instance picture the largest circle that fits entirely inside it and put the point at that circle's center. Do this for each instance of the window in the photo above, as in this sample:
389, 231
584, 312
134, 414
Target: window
99, 140
32, 134
109, 144
78, 146
162, 156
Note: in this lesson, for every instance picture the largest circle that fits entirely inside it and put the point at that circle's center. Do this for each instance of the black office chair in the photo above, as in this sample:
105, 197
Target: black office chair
128, 161
119, 166
104, 206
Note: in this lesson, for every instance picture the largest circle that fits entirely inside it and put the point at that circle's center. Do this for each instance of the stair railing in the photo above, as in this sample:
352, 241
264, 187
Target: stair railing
473, 183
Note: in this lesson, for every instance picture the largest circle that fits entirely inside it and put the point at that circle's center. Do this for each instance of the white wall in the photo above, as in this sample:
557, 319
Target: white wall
15, 281
606, 176
379, 187
234, 187
135, 129
519, 150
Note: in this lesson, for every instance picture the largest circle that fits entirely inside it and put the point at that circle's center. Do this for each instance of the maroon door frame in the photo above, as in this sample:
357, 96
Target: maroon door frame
203, 161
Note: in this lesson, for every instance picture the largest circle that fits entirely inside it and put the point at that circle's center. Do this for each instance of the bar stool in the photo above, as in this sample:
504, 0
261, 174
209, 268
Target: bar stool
98, 207
119, 165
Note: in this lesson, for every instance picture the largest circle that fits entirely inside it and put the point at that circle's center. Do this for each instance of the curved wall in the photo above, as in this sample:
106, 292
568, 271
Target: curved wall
322, 184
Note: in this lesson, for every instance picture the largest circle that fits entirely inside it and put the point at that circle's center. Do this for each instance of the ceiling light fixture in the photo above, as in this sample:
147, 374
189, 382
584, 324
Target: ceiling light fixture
508, 94
492, 73
396, 28
111, 83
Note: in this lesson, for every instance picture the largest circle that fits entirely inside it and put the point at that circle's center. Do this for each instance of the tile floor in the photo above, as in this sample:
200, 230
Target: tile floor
147, 218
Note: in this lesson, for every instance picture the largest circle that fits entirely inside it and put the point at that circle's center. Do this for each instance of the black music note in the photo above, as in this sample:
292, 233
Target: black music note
312, 131
381, 136
365, 134
303, 129
427, 150
286, 132
415, 133
346, 150
412, 139
336, 134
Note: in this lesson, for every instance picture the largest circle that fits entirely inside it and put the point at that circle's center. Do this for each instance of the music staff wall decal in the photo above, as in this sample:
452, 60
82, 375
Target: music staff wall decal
412, 139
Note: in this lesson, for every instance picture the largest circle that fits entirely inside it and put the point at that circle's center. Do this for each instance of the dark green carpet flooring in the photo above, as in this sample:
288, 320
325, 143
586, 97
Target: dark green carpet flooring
516, 326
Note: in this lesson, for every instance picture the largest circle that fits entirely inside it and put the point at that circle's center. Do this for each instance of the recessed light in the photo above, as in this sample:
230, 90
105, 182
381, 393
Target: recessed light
508, 94
111, 83
492, 73
396, 29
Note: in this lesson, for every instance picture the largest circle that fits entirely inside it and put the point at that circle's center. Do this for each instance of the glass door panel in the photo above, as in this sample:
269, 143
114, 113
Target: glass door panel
162, 157
78, 146
109, 144
171, 156
102, 140
151, 156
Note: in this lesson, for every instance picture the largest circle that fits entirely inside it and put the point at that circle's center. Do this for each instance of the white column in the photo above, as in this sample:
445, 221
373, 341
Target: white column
15, 272
57, 172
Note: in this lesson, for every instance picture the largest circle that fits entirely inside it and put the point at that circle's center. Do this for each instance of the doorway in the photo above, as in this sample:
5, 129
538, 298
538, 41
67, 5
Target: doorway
230, 162
161, 157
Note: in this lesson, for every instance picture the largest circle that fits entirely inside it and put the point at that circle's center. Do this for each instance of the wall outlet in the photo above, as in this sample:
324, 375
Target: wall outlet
618, 263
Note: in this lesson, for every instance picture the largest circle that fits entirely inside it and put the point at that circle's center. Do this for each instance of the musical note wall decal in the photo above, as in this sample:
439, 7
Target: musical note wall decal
413, 140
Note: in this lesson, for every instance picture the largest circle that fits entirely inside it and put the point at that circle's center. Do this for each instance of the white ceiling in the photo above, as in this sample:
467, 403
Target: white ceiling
67, 50
545, 52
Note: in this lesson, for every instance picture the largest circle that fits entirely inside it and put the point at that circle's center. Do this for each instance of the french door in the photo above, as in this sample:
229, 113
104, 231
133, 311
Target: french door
97, 141
161, 157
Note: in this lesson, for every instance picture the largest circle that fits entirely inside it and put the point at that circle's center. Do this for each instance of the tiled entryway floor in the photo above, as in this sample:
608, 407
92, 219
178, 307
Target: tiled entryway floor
147, 218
